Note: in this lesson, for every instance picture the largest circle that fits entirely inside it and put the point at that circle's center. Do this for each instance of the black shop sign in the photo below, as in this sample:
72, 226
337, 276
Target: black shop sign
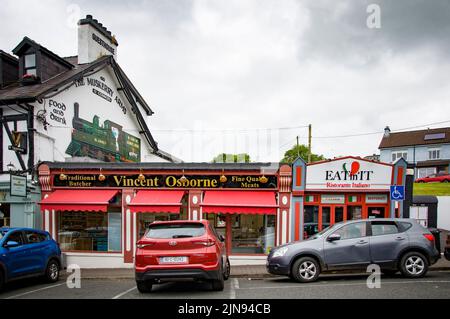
165, 181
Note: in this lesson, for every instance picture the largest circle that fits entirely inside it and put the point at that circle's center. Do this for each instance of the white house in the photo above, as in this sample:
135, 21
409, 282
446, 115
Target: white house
79, 108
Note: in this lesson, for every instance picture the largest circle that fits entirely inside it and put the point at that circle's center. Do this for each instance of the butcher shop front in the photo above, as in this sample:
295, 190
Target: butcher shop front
98, 211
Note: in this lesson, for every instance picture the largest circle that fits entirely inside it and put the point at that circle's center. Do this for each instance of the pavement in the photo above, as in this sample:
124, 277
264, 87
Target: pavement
253, 271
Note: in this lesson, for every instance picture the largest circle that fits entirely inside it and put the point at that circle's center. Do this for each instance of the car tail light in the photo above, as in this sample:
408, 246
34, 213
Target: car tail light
207, 243
430, 237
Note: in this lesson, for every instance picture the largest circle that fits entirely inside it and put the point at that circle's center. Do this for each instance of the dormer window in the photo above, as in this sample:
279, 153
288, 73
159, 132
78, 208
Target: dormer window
29, 66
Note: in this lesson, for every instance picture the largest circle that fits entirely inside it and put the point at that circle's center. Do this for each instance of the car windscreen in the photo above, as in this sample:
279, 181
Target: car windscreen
175, 230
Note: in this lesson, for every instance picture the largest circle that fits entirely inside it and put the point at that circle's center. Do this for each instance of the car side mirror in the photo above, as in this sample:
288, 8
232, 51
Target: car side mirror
221, 238
333, 237
11, 244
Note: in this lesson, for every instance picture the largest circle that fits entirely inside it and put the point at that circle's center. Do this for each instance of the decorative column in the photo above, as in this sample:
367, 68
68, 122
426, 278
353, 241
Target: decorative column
284, 220
46, 188
129, 223
298, 195
194, 208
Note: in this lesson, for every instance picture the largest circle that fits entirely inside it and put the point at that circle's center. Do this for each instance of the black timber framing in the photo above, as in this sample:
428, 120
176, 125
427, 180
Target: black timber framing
14, 118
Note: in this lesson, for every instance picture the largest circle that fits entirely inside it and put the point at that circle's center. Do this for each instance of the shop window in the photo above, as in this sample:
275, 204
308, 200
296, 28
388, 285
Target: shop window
376, 212
354, 212
145, 219
252, 234
310, 221
90, 231
354, 230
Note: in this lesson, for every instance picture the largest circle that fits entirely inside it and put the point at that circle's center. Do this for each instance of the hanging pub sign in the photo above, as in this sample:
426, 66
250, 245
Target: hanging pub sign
18, 185
18, 142
165, 181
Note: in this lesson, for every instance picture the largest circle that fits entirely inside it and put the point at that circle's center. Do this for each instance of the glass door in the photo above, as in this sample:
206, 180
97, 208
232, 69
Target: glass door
338, 214
326, 217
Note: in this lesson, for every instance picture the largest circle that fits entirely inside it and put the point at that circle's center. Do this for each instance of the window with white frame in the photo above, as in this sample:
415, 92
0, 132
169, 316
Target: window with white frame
399, 154
434, 153
426, 171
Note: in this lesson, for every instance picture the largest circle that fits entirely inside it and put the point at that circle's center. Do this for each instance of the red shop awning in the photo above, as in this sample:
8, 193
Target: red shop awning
156, 201
240, 202
78, 200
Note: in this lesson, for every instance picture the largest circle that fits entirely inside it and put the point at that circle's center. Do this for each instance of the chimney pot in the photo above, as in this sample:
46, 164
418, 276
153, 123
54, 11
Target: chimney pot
387, 131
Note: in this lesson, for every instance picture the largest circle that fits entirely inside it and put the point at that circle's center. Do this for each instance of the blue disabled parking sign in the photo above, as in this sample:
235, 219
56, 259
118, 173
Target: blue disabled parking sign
397, 192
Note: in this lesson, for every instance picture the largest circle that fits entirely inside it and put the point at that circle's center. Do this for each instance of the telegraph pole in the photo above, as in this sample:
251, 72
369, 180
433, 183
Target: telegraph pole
309, 143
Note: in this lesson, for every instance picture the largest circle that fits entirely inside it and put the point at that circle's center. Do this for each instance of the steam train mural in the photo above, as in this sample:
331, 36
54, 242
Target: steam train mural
107, 142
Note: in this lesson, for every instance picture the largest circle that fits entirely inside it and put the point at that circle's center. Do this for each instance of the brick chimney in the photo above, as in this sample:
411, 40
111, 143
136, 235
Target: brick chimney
94, 41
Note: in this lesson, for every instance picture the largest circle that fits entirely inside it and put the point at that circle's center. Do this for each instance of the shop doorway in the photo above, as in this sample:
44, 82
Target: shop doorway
245, 234
5, 215
376, 212
354, 212
338, 214
310, 221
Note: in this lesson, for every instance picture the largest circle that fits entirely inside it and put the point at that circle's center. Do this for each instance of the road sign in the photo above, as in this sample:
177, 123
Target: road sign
397, 193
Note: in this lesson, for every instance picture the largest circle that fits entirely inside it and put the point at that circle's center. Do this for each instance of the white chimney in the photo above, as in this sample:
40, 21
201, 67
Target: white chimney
387, 131
94, 41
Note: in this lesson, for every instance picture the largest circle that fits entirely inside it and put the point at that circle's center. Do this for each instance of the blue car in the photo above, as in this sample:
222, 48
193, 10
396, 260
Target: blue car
26, 252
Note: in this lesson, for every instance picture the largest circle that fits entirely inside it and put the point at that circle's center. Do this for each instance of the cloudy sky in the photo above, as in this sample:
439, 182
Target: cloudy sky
226, 75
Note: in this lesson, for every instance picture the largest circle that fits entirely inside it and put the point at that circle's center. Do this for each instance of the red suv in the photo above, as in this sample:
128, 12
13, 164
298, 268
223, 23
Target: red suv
181, 249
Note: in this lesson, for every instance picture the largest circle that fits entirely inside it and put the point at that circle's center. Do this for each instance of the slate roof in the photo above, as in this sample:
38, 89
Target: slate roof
412, 138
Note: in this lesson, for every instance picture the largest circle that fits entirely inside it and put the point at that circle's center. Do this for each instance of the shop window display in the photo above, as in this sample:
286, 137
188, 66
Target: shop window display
252, 234
90, 231
354, 212
311, 221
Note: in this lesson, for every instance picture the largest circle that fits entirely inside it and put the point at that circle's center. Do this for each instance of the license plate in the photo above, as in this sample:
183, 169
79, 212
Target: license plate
173, 260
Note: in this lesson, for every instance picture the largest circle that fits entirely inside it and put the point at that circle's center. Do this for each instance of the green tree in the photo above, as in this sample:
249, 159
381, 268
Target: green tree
231, 158
300, 151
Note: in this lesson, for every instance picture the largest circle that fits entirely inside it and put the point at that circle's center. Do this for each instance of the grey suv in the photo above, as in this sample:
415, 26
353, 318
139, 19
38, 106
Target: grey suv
394, 244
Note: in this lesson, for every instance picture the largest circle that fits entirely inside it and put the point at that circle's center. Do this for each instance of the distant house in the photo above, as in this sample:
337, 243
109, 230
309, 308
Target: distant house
373, 157
428, 150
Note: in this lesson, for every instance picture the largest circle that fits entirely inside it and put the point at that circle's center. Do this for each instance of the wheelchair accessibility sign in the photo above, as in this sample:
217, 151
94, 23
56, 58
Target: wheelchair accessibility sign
397, 192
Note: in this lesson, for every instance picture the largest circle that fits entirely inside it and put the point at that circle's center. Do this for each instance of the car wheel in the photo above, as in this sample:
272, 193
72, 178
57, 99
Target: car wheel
218, 284
305, 269
413, 265
52, 271
144, 286
446, 181
227, 272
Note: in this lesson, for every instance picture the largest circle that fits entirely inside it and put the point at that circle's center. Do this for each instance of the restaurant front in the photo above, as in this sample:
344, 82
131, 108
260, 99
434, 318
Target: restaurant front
347, 188
98, 211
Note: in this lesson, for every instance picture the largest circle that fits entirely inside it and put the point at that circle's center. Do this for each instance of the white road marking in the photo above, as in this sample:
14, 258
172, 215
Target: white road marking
233, 286
350, 284
124, 293
36, 290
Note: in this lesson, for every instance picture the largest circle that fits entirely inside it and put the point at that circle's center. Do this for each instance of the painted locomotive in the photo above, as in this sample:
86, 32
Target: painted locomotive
107, 142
